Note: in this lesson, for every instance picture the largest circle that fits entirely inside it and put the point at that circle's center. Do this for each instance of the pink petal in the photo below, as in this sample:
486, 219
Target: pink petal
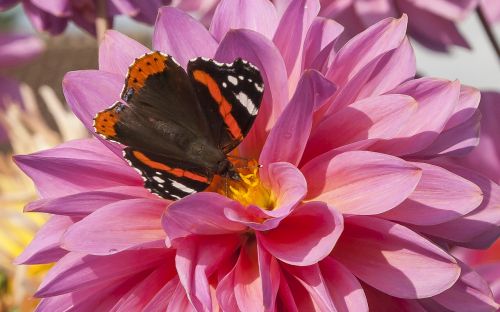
139, 296
311, 279
468, 103
179, 301
126, 224
257, 15
57, 8
56, 173
201, 214
178, 34
90, 91
304, 237
449, 9
373, 11
45, 247
319, 42
457, 141
440, 196
291, 34
437, 98
486, 157
380, 38
379, 76
76, 271
378, 117
394, 259
481, 227
288, 138
16, 49
163, 296
43, 21
270, 276
84, 203
437, 32
360, 182
196, 259
379, 301
114, 57
261, 52
470, 293
345, 289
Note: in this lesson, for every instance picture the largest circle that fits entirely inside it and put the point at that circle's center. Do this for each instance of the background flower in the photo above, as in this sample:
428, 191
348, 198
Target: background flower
377, 180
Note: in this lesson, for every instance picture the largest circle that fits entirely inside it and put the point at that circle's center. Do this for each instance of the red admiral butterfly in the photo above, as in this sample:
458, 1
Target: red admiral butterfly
179, 127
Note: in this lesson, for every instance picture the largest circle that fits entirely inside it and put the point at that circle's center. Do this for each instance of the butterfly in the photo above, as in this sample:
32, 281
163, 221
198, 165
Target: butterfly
179, 126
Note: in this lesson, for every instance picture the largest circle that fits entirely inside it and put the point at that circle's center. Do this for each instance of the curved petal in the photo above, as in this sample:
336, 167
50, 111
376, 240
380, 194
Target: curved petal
287, 139
319, 43
126, 224
380, 38
440, 196
90, 91
481, 227
291, 33
200, 214
378, 117
394, 259
287, 188
304, 237
382, 74
84, 203
270, 275
257, 15
312, 280
117, 52
181, 36
470, 293
43, 21
467, 105
261, 52
457, 141
45, 247
345, 289
360, 182
76, 271
437, 98
57, 173
196, 259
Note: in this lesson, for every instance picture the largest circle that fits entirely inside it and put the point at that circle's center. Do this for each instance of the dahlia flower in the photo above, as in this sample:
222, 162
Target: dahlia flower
355, 206
53, 16
491, 10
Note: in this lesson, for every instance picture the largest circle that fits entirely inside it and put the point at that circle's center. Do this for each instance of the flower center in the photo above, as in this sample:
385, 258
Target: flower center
249, 190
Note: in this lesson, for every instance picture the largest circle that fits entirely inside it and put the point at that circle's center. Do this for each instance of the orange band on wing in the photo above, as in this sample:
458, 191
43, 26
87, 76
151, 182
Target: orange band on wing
143, 67
224, 106
174, 171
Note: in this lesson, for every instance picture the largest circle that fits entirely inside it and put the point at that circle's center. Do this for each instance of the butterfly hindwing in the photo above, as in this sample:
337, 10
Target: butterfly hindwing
231, 95
167, 178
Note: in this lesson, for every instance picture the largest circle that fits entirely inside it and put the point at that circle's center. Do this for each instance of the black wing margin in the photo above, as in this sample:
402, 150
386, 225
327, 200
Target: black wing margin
167, 178
230, 95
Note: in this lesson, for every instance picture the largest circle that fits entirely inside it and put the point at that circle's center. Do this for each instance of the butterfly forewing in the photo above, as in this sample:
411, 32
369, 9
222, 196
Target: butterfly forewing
231, 93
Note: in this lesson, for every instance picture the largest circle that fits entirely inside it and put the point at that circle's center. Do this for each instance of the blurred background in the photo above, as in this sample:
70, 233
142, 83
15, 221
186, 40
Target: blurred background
34, 116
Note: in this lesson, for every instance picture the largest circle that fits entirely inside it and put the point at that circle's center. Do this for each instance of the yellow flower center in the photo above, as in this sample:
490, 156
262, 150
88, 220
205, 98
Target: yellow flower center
249, 190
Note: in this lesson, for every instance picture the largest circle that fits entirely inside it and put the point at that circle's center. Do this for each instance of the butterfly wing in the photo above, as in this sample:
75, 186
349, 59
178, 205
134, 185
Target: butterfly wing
173, 181
230, 95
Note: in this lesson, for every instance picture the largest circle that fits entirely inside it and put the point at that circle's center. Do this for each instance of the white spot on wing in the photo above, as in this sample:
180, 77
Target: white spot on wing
158, 179
232, 80
182, 187
241, 77
259, 88
247, 103
224, 85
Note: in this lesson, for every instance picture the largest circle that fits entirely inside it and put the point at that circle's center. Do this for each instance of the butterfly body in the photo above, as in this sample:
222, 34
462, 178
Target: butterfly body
178, 126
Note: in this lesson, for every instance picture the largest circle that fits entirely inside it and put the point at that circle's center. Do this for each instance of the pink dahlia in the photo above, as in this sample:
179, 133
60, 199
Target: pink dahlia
53, 16
355, 207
